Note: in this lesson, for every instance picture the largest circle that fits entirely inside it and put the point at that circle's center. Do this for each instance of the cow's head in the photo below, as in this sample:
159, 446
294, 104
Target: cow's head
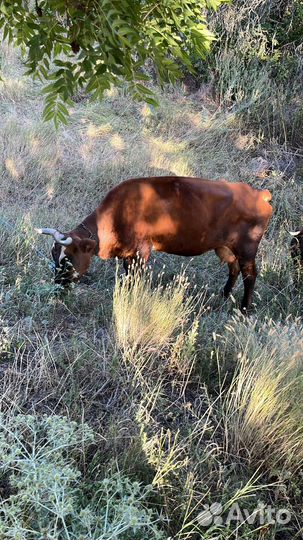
71, 254
296, 246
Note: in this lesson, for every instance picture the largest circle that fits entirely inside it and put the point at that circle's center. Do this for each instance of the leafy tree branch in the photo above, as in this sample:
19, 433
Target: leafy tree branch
90, 45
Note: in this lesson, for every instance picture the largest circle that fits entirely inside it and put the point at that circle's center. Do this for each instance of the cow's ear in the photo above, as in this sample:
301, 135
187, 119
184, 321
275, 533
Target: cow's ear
87, 245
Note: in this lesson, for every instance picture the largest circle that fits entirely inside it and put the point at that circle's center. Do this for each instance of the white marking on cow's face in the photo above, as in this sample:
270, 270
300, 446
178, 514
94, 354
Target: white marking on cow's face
62, 254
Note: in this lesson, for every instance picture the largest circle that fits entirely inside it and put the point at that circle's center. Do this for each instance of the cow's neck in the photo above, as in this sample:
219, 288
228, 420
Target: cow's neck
88, 229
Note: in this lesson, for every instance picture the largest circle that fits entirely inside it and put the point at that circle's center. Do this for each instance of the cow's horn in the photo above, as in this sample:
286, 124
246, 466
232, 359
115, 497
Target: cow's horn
65, 241
57, 235
46, 230
294, 233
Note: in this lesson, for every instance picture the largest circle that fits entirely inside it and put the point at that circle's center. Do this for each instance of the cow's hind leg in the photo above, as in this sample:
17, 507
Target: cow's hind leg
234, 270
227, 256
249, 274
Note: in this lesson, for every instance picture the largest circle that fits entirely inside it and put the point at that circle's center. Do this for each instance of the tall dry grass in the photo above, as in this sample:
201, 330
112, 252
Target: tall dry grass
147, 315
262, 406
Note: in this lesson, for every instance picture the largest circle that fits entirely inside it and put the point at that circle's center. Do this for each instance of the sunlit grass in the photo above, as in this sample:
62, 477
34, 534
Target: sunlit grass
146, 316
13, 168
98, 131
262, 404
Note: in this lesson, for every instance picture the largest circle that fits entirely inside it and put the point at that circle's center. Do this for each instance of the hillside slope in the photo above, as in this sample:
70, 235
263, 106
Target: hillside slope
120, 386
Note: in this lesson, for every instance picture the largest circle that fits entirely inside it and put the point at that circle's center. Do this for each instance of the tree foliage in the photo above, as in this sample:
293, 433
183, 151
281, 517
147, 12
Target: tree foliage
94, 44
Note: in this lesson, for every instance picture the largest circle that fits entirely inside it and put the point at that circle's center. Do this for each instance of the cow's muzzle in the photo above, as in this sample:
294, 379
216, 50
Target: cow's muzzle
65, 273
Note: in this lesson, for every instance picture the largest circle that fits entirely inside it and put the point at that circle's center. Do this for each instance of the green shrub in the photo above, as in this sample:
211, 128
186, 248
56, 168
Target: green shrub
46, 496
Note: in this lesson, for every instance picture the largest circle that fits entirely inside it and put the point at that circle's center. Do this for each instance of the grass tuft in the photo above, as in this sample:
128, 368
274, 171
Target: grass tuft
262, 404
146, 316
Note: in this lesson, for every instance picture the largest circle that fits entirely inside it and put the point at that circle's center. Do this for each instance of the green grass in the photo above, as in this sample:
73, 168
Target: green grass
186, 402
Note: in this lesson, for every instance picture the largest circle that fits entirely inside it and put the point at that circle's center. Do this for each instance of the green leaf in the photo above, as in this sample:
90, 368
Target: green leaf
62, 117
115, 39
3, 9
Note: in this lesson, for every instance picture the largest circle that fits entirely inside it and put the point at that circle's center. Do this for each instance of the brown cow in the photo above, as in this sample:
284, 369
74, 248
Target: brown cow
178, 215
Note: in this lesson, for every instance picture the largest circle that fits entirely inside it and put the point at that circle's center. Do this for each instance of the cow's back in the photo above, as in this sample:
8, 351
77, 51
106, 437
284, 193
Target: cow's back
180, 215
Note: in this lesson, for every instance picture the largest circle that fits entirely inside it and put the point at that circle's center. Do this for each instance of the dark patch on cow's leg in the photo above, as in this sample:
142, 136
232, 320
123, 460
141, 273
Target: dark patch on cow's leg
226, 255
127, 263
249, 275
234, 270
